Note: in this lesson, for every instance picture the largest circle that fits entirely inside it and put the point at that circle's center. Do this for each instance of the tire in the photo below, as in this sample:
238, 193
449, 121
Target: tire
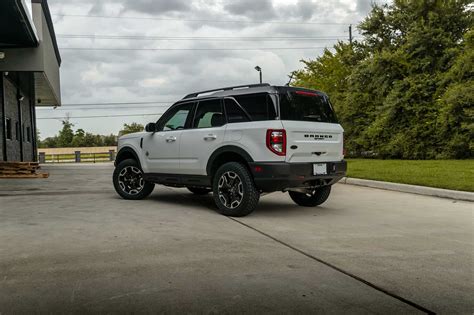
234, 191
199, 191
128, 181
315, 198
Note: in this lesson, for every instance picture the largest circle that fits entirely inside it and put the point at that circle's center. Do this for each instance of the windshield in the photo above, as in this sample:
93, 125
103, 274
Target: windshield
306, 106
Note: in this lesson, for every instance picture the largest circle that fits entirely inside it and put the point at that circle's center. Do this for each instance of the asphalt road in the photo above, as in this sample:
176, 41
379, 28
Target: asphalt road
70, 244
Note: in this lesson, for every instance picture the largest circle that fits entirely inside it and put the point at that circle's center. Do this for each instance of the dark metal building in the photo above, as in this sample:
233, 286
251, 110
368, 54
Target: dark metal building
29, 75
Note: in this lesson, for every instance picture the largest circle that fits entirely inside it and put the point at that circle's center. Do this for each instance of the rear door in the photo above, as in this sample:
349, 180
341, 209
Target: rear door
203, 138
313, 134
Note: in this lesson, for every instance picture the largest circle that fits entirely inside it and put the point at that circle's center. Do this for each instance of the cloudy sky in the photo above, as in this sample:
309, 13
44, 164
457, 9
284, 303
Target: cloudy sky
160, 50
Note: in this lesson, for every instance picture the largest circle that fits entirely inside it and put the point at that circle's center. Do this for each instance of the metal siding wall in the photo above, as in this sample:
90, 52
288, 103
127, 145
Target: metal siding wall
2, 121
11, 111
22, 85
25, 81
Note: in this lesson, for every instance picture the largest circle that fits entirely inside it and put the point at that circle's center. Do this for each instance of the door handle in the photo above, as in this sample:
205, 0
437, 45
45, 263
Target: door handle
171, 139
210, 137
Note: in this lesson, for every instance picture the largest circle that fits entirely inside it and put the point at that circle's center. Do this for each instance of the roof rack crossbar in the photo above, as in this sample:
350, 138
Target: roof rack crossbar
195, 94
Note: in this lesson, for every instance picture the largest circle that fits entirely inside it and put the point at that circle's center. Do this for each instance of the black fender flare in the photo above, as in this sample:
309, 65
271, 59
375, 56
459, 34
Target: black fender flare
227, 148
127, 150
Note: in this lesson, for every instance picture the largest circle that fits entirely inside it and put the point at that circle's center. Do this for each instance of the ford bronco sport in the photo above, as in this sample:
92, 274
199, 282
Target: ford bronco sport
237, 142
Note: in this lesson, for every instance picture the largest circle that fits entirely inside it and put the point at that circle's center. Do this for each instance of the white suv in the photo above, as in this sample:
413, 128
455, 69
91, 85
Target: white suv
237, 142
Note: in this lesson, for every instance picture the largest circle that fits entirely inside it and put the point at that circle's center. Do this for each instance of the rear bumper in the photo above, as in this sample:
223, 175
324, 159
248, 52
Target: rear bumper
277, 176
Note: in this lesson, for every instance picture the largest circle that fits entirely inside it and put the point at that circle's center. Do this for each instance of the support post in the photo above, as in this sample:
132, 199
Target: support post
42, 157
77, 156
112, 155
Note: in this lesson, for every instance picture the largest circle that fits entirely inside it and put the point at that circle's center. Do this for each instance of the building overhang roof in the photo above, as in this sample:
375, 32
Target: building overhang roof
16, 26
39, 56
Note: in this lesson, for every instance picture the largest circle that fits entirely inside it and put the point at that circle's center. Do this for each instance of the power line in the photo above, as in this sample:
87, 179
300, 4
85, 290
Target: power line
116, 106
119, 103
195, 49
99, 116
88, 108
199, 20
200, 38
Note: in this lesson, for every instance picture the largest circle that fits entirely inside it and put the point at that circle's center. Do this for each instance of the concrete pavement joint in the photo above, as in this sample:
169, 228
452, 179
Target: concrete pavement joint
347, 273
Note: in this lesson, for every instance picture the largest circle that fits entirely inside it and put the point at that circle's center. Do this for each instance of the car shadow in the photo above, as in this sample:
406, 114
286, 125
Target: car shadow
266, 206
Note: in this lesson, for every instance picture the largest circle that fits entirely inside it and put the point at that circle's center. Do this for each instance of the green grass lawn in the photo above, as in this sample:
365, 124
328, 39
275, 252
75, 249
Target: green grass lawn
448, 174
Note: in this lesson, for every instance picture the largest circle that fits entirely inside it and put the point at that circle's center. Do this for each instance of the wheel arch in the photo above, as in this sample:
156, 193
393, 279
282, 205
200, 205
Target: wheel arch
127, 153
225, 154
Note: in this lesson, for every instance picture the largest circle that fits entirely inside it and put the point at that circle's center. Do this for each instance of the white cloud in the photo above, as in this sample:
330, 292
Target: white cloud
121, 76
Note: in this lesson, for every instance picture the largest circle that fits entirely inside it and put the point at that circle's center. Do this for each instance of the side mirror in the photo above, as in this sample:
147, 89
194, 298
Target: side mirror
150, 127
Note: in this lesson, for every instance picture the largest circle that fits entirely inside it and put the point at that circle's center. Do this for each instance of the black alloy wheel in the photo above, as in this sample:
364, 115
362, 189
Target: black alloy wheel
129, 182
234, 191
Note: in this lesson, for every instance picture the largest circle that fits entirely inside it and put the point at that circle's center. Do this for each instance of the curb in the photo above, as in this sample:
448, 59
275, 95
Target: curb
412, 189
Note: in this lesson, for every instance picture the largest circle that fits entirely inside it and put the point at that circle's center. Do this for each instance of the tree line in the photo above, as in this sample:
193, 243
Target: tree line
67, 137
406, 90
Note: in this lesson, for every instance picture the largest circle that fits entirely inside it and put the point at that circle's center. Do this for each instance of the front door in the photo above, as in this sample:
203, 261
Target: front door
161, 148
203, 138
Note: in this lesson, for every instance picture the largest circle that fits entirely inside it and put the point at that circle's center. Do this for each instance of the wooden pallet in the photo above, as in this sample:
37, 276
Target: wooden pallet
36, 175
21, 170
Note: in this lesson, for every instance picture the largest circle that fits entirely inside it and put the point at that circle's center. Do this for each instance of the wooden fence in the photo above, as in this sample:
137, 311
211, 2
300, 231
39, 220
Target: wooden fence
77, 155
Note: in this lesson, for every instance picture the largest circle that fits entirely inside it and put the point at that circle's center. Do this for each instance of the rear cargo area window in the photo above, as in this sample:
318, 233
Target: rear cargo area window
306, 106
259, 106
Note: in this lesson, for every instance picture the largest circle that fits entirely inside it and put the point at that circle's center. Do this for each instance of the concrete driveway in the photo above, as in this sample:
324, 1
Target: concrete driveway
70, 244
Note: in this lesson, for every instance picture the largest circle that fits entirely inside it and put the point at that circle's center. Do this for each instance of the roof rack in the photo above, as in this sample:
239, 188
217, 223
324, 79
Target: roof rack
196, 94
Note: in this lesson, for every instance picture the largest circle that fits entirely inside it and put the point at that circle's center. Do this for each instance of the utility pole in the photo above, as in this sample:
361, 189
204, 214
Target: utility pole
350, 34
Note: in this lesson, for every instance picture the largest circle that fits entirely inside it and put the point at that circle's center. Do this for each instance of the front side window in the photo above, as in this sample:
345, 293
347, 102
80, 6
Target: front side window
209, 114
259, 106
177, 117
235, 113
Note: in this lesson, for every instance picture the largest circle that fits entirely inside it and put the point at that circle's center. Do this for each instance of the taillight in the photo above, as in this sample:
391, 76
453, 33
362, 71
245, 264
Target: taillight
276, 141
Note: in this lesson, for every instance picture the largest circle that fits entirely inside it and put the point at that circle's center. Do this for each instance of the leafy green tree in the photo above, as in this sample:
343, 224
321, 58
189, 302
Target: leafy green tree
110, 140
49, 142
66, 135
406, 90
78, 140
131, 128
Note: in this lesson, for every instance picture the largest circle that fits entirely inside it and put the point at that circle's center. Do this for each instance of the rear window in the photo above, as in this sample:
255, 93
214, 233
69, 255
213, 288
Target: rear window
259, 106
306, 106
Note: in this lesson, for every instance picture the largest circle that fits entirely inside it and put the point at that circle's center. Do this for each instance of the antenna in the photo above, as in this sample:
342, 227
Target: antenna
291, 78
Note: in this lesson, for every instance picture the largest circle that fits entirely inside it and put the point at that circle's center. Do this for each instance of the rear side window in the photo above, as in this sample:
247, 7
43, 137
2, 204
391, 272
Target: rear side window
306, 106
259, 106
235, 113
209, 114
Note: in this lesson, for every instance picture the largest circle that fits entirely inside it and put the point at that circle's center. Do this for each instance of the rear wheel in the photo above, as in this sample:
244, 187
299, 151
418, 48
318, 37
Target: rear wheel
234, 192
312, 198
199, 190
128, 181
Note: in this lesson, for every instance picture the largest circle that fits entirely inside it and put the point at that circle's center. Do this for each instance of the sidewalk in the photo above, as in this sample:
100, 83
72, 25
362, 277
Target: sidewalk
413, 189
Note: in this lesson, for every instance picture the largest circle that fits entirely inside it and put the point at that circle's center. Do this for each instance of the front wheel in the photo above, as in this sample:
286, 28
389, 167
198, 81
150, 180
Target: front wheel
312, 198
234, 192
128, 181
